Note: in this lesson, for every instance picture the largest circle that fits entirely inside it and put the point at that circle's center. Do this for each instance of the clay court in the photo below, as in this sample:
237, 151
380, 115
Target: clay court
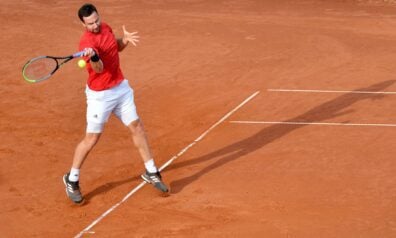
277, 119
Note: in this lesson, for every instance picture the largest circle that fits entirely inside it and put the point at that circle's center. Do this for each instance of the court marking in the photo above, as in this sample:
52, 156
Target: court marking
138, 187
314, 123
320, 123
326, 91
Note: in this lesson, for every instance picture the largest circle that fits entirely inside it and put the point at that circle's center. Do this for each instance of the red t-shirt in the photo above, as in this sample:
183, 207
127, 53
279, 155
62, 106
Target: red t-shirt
105, 45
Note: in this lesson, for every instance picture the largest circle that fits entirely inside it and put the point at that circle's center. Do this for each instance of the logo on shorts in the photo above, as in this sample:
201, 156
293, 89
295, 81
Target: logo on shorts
95, 116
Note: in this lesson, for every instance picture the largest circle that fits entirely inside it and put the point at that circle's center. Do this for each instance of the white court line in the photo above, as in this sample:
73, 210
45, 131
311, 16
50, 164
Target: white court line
327, 91
89, 227
313, 123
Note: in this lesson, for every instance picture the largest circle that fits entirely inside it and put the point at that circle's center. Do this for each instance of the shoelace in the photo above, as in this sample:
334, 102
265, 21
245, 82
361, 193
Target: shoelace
73, 186
155, 179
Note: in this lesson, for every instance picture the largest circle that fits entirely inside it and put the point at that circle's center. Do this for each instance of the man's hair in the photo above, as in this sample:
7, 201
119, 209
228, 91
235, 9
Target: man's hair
86, 10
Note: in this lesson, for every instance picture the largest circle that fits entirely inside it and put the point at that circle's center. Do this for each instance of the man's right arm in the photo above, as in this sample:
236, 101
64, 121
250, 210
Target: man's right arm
95, 61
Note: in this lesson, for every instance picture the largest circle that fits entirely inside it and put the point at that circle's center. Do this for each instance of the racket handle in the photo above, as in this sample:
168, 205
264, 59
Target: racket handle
78, 54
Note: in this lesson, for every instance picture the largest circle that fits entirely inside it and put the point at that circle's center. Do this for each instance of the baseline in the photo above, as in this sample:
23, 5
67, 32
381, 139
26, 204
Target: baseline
327, 91
314, 123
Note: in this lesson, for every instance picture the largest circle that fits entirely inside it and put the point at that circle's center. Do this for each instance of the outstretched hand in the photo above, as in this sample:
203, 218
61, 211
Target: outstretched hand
130, 36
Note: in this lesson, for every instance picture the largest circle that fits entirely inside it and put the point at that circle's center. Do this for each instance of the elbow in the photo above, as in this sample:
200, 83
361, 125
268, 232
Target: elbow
98, 67
98, 71
120, 48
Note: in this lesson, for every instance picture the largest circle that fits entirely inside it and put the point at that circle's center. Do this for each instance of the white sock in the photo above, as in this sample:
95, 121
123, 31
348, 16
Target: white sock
150, 166
74, 175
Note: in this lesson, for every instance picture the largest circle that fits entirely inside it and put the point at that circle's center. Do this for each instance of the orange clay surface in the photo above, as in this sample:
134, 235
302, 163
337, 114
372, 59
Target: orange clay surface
196, 61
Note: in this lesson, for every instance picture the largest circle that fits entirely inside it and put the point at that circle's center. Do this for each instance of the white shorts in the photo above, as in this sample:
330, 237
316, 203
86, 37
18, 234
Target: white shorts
100, 104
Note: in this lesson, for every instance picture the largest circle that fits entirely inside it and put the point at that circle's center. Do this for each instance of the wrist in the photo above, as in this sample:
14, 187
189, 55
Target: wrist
95, 58
125, 41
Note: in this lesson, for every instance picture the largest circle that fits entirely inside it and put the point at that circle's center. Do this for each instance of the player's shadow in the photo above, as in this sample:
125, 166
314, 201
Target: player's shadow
330, 109
103, 189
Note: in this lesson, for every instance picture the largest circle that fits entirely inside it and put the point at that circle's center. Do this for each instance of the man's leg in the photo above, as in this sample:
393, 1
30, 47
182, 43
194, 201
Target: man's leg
140, 140
152, 174
83, 148
71, 179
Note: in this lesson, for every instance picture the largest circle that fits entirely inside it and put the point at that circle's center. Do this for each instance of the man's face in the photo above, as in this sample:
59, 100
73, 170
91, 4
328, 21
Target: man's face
92, 23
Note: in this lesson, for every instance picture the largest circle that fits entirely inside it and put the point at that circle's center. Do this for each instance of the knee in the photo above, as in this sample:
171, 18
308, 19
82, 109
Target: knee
136, 127
91, 139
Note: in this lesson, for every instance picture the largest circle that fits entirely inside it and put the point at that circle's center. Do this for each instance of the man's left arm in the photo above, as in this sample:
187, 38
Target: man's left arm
128, 37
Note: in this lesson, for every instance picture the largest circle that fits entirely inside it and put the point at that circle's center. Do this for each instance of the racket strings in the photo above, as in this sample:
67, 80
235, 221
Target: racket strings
39, 69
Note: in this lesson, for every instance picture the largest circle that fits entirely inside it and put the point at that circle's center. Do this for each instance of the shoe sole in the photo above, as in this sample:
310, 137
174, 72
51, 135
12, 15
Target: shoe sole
67, 194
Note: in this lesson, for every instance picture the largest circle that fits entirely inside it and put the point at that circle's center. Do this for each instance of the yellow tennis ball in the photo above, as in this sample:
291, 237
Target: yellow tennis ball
81, 63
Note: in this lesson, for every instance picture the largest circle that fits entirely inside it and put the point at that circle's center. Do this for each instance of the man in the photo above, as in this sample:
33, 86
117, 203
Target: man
107, 92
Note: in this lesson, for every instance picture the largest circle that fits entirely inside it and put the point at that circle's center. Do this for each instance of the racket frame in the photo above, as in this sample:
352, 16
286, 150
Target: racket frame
58, 65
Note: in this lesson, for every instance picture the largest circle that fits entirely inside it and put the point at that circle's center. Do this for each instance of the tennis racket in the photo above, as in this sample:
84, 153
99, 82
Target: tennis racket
43, 67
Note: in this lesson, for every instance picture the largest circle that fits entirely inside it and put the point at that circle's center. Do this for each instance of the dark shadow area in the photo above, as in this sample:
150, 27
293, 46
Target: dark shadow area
330, 109
107, 187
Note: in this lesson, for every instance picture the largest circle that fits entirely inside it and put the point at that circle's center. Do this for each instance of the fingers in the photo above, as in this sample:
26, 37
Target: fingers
89, 52
131, 36
134, 40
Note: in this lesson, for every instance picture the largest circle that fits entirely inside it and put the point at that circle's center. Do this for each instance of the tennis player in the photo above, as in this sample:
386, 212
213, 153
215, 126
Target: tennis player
107, 92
